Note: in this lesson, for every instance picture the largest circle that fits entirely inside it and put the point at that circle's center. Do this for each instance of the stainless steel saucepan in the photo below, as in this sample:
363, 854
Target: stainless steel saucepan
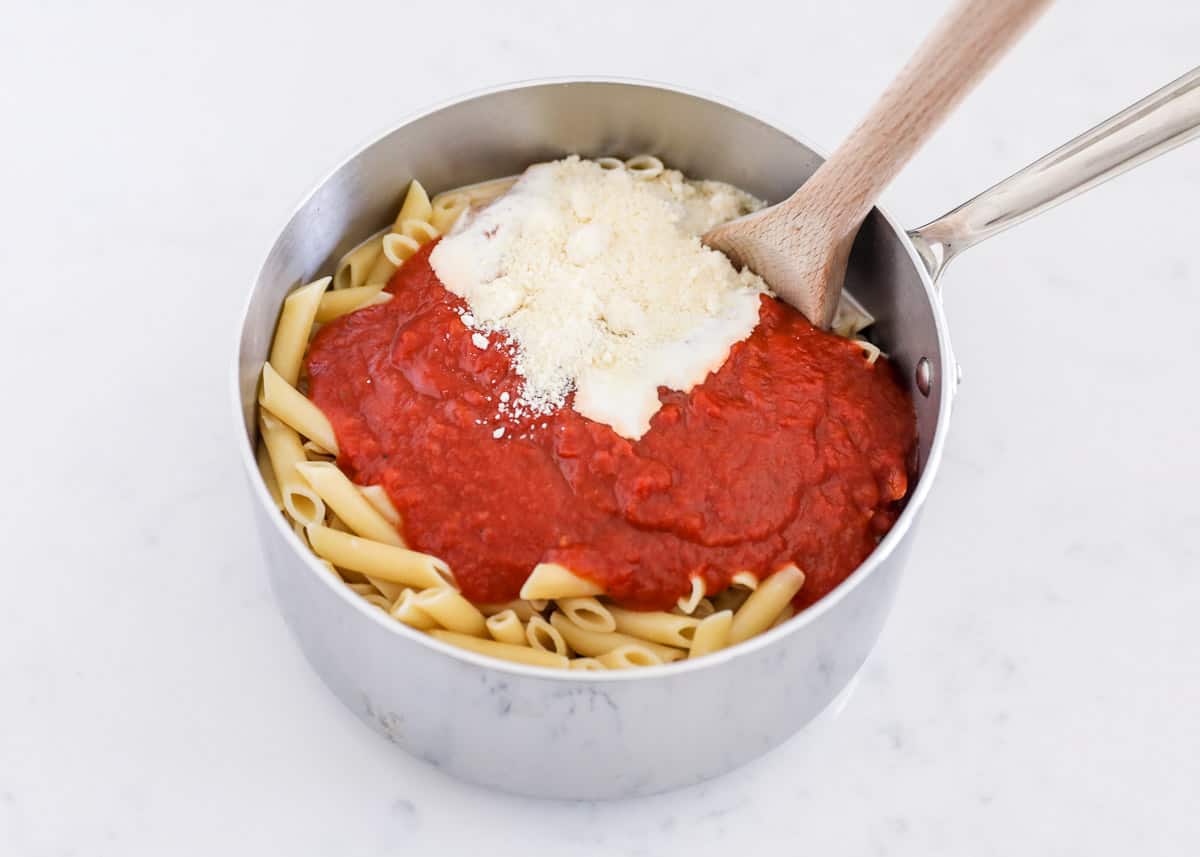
606, 735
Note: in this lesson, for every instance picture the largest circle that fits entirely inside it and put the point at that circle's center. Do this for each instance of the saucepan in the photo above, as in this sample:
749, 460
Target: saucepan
605, 735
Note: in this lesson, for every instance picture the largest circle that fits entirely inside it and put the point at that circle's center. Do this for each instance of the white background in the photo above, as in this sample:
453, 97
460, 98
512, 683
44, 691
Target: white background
1037, 688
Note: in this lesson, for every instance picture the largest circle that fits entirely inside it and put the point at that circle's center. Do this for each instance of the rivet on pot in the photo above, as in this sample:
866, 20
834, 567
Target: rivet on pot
924, 376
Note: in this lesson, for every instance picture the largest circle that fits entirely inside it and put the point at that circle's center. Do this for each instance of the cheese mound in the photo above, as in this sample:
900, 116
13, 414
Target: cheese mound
597, 283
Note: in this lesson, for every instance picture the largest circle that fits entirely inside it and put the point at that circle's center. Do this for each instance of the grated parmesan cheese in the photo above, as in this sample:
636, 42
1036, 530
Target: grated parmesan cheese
596, 282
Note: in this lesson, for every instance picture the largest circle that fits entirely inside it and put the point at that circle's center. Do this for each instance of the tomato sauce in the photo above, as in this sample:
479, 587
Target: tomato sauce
795, 450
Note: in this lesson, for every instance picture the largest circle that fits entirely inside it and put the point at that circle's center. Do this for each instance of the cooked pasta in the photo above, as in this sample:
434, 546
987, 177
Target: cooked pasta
291, 406
691, 601
291, 334
268, 475
503, 651
666, 628
451, 611
338, 303
629, 656
596, 643
399, 248
348, 503
766, 603
382, 504
352, 270
542, 635
711, 634
407, 611
416, 206
506, 627
419, 231
285, 452
379, 560
588, 613
446, 211
550, 580
562, 619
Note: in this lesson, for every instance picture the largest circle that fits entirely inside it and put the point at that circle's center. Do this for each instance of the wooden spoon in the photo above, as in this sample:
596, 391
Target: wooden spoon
801, 246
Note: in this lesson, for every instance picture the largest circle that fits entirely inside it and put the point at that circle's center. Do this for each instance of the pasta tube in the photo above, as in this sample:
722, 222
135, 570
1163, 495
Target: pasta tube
766, 603
336, 304
290, 405
666, 628
712, 634
503, 651
596, 643
550, 580
451, 611
285, 452
376, 559
295, 324
506, 627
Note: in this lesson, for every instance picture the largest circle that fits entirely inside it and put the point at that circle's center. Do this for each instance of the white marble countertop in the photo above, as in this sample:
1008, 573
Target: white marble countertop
1037, 690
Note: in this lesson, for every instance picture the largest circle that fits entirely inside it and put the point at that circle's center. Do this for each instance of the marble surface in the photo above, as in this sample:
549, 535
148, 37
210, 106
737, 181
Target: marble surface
1037, 690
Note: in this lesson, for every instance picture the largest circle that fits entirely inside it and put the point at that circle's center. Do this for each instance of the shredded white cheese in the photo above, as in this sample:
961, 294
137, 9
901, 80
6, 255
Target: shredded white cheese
596, 282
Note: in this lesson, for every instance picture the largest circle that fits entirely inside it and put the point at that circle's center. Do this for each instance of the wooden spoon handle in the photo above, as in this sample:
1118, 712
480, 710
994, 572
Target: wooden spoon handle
968, 40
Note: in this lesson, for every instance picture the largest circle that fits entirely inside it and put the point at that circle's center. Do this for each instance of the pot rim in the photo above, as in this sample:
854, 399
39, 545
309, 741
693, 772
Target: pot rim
900, 530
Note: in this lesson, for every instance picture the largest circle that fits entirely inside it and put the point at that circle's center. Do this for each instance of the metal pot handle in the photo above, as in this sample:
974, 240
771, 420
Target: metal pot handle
1156, 124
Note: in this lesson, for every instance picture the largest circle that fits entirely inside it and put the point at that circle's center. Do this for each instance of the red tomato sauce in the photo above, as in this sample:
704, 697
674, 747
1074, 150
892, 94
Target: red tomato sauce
795, 450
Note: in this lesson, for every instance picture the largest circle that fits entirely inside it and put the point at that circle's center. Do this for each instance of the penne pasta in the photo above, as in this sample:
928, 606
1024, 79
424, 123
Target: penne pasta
691, 601
523, 609
588, 613
666, 628
447, 208
315, 452
416, 205
377, 559
787, 613
268, 474
347, 501
542, 635
451, 610
410, 614
379, 499
362, 589
389, 590
870, 350
712, 634
295, 324
398, 248
380, 272
596, 643
285, 452
552, 581
353, 268
629, 656
420, 231
291, 406
506, 627
379, 600
644, 167
744, 579
608, 163
586, 664
766, 603
338, 303
503, 651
